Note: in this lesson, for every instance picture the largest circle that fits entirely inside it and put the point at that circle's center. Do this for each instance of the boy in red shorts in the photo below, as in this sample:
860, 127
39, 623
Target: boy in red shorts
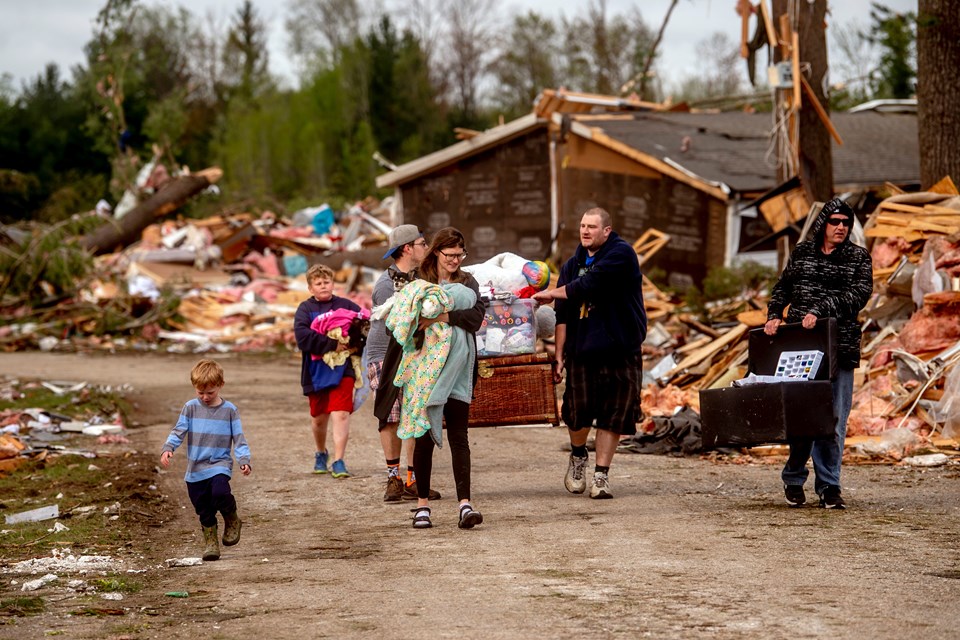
329, 389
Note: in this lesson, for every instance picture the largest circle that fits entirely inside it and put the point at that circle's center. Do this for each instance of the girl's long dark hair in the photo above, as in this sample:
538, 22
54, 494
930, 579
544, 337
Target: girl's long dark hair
446, 238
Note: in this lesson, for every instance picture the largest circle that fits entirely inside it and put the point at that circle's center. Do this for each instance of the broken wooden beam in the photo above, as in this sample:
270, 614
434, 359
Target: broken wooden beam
120, 233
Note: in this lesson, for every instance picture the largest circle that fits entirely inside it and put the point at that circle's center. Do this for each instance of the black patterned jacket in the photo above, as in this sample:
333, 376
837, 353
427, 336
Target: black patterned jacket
837, 285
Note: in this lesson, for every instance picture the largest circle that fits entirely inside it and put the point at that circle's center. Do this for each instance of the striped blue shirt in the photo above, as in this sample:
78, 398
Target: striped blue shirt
210, 433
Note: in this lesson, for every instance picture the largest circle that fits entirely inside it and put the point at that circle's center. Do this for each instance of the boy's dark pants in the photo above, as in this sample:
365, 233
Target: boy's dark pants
210, 496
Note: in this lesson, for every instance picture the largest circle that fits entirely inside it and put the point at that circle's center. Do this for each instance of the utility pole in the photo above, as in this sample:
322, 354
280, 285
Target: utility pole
796, 30
804, 148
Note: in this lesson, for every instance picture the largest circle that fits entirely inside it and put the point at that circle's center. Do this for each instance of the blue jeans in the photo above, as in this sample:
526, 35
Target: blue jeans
827, 454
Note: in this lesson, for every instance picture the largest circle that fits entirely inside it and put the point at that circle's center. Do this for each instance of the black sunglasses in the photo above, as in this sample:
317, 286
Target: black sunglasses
836, 222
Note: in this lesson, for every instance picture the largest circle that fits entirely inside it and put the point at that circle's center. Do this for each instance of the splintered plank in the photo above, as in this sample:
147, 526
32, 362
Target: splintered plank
945, 186
734, 357
920, 220
707, 351
899, 206
693, 323
888, 231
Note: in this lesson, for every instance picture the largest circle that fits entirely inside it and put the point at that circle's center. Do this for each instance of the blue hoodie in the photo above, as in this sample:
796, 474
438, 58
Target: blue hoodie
604, 311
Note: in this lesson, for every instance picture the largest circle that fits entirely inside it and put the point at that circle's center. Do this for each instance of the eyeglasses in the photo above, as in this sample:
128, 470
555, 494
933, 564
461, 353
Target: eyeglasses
836, 222
419, 243
454, 256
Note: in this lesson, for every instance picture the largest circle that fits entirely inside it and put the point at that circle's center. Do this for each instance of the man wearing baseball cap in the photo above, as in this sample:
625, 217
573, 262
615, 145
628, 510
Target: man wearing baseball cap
408, 248
402, 235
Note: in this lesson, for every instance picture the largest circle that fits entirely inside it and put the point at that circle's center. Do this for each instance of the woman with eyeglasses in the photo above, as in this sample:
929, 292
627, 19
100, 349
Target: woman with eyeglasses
441, 266
827, 276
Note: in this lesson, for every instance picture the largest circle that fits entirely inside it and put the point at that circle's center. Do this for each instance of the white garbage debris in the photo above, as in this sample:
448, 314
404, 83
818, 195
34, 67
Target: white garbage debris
73, 426
34, 515
101, 429
64, 562
183, 562
33, 585
927, 460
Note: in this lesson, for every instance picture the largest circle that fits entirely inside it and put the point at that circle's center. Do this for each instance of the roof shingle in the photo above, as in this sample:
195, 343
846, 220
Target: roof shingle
737, 148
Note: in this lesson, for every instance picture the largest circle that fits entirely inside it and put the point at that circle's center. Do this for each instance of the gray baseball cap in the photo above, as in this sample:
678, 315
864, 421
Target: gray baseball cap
404, 234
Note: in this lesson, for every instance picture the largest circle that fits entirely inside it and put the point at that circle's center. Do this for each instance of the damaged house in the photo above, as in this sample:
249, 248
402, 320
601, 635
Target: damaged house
522, 186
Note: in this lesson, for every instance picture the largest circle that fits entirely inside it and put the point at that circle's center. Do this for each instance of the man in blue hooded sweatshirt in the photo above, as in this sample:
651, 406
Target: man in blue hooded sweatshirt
826, 277
601, 323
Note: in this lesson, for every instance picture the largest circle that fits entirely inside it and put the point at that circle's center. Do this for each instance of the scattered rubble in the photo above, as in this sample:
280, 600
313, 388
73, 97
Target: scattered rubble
38, 431
227, 282
63, 561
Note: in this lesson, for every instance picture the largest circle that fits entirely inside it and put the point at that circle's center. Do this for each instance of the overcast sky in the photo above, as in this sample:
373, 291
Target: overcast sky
33, 33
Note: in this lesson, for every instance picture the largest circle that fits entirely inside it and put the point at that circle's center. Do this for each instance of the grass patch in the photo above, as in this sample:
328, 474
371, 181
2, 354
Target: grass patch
83, 493
23, 606
116, 584
79, 405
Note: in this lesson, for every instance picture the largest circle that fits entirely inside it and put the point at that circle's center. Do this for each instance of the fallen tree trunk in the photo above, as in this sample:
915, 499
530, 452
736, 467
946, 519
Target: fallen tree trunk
126, 230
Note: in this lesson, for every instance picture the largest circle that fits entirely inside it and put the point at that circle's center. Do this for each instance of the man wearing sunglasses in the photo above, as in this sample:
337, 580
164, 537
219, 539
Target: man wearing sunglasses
826, 277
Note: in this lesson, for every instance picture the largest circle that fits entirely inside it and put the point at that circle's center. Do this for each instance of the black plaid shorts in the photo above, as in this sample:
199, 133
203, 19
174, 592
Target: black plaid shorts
605, 393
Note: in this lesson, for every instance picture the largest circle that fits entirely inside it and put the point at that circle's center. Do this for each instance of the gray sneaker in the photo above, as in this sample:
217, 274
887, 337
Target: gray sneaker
600, 490
576, 479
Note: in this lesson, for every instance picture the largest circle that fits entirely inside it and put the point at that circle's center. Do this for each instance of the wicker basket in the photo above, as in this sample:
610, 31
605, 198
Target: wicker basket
515, 390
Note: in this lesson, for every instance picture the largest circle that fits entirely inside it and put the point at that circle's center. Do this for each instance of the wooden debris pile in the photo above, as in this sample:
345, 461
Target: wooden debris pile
229, 281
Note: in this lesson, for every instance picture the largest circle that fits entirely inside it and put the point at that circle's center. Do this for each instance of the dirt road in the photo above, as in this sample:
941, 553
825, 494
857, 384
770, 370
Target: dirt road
687, 548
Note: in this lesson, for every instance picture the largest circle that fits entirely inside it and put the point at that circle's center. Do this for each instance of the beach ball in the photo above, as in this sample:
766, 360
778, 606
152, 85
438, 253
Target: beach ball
537, 274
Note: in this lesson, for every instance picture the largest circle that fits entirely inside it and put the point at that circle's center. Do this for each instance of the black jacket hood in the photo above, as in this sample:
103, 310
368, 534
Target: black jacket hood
836, 206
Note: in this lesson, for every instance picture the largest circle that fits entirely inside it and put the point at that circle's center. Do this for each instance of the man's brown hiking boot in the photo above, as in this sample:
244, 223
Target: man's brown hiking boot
231, 529
394, 490
211, 547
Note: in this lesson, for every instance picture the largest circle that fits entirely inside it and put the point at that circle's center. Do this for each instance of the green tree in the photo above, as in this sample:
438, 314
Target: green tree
527, 64
46, 152
245, 57
305, 145
142, 74
315, 142
895, 34
405, 118
354, 169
